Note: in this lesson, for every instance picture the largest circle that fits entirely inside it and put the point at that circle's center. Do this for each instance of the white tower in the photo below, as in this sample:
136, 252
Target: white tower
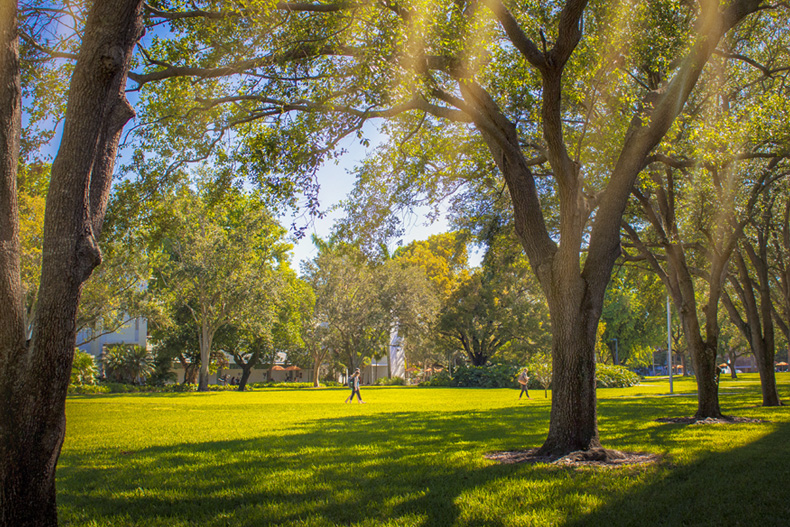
397, 357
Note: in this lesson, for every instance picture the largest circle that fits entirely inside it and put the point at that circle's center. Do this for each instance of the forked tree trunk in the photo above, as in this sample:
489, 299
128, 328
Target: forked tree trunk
758, 327
316, 373
246, 370
34, 380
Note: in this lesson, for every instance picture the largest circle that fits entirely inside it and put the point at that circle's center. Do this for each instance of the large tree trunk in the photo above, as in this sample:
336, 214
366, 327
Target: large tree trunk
35, 381
766, 368
703, 358
574, 417
12, 320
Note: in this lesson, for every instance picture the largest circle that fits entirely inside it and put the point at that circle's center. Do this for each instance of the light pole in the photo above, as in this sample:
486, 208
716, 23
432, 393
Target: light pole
669, 343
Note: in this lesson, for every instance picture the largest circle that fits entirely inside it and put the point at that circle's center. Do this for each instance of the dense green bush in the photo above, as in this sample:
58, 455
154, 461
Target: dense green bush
258, 385
118, 387
615, 376
88, 389
490, 376
83, 369
128, 364
390, 381
441, 379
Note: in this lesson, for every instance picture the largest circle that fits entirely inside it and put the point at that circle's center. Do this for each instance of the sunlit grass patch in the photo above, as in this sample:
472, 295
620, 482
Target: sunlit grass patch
409, 456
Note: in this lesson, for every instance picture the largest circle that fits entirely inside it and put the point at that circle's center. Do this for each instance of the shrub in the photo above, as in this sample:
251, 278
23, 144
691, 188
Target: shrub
126, 363
83, 369
271, 384
490, 376
609, 376
88, 389
441, 379
390, 381
120, 387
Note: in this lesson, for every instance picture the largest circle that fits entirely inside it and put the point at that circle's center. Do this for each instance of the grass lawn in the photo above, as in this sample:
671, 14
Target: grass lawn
414, 456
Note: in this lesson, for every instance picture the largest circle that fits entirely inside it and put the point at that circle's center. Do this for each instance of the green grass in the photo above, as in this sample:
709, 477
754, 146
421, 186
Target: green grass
414, 456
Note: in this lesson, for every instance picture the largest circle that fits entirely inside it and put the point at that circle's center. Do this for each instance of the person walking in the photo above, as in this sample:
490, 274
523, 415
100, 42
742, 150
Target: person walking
353, 383
523, 380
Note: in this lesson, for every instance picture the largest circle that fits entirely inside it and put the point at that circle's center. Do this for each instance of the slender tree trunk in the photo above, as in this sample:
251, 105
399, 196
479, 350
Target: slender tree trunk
206, 337
684, 363
732, 360
35, 382
316, 373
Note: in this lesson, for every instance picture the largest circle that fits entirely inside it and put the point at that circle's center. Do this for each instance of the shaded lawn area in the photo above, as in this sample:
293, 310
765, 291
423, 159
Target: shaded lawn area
414, 457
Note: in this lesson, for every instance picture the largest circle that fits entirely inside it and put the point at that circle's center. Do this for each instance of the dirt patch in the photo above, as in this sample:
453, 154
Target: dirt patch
598, 457
724, 420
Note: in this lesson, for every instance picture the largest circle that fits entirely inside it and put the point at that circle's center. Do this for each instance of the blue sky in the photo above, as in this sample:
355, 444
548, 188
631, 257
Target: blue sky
336, 182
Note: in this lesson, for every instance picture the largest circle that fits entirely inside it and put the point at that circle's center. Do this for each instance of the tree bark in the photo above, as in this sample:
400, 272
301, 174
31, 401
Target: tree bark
246, 370
758, 328
206, 337
35, 382
574, 417
316, 373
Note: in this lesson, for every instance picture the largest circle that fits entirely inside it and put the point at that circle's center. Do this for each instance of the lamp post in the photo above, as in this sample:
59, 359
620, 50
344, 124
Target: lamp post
669, 343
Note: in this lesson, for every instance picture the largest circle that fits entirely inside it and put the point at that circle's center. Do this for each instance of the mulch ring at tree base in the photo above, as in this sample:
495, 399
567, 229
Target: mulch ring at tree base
724, 420
597, 457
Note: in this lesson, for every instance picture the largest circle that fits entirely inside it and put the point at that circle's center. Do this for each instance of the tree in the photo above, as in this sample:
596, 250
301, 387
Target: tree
497, 308
313, 331
128, 364
634, 312
697, 197
780, 270
585, 106
271, 322
222, 250
35, 373
412, 304
540, 369
348, 304
752, 287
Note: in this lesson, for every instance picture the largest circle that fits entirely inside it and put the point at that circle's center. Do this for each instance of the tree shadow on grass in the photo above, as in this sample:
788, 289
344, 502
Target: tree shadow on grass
744, 486
341, 471
407, 468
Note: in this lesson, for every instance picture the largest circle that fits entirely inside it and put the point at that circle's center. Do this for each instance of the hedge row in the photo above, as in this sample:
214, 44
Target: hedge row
504, 376
116, 387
